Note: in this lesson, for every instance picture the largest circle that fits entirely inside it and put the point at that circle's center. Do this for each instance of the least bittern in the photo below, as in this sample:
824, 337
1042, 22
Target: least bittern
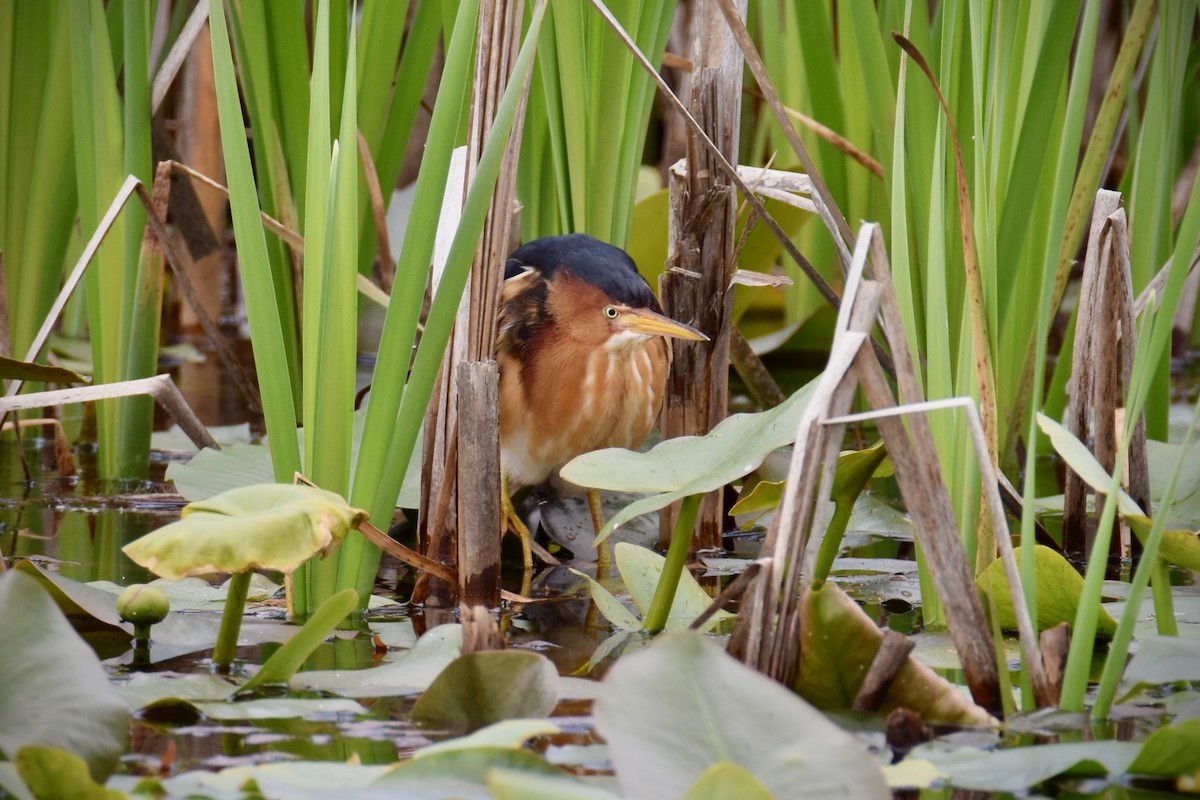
583, 349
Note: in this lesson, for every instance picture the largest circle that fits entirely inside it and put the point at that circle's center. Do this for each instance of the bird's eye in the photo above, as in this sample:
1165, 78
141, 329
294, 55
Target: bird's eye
610, 312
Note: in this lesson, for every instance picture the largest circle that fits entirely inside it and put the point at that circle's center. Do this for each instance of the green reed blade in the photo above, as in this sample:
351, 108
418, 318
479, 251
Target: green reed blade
262, 306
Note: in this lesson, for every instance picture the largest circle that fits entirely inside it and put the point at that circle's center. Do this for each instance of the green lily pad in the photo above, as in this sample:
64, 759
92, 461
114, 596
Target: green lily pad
52, 773
728, 781
461, 773
640, 570
212, 472
1020, 768
1181, 548
411, 673
507, 784
276, 779
673, 710
1171, 750
1164, 659
510, 733
688, 465
839, 643
55, 691
854, 469
478, 689
274, 526
16, 369
149, 688
279, 708
1058, 589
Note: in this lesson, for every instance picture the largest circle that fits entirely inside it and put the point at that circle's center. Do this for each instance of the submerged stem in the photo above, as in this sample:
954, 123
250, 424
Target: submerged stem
677, 552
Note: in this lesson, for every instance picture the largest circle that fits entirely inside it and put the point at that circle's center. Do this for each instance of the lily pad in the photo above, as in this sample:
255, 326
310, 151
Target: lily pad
461, 773
507, 784
55, 691
511, 733
478, 689
728, 781
1058, 589
689, 465
839, 644
1164, 659
855, 468
274, 526
149, 688
1171, 750
276, 779
212, 472
16, 369
279, 708
1020, 768
675, 709
640, 570
411, 673
52, 773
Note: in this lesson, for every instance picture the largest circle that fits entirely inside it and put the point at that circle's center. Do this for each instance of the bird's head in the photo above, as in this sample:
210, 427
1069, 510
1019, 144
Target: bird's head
592, 291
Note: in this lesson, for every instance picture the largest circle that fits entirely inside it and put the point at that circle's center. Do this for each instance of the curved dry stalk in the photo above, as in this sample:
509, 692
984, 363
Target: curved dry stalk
825, 133
980, 338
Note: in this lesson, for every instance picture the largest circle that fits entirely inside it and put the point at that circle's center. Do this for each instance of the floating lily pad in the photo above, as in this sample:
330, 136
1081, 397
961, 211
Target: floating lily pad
52, 773
279, 708
728, 781
640, 571
410, 673
212, 472
276, 779
689, 465
55, 692
461, 773
507, 784
510, 733
678, 707
1058, 589
1021, 768
479, 689
1164, 659
1171, 750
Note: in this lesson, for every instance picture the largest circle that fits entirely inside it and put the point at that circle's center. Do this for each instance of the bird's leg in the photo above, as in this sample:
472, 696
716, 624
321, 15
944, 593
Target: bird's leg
509, 519
603, 549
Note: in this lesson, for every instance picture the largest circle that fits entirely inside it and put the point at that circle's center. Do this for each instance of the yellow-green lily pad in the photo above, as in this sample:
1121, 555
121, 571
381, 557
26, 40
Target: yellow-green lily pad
839, 644
1058, 589
273, 526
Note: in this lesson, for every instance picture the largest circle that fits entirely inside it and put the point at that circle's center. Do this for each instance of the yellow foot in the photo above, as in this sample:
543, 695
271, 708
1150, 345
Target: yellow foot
603, 549
509, 520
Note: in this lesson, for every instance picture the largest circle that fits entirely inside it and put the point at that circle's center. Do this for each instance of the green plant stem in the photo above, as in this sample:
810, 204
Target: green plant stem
231, 620
1150, 566
832, 543
677, 552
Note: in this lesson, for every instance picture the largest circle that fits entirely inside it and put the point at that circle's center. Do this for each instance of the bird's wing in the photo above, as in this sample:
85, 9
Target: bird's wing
522, 310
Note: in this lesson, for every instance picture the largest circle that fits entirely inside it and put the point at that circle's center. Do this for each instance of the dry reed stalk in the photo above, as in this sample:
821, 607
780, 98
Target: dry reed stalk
467, 534
767, 631
1103, 361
